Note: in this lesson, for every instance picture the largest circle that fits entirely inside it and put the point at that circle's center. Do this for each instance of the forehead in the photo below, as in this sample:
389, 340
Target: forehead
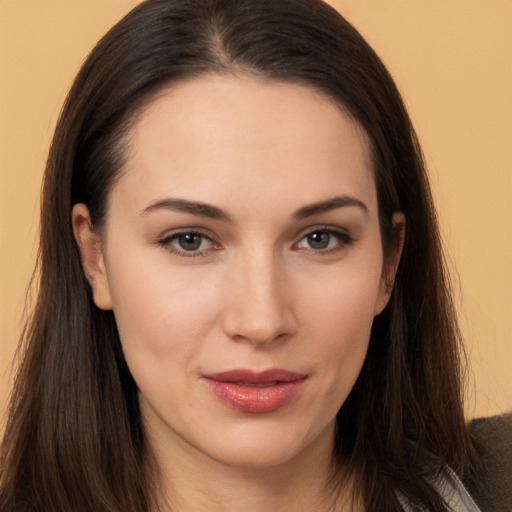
216, 136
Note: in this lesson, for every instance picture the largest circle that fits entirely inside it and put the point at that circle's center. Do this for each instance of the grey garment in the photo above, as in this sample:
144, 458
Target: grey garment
491, 488
455, 495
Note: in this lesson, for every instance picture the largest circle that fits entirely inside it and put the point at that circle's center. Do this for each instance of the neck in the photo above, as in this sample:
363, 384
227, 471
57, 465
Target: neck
192, 481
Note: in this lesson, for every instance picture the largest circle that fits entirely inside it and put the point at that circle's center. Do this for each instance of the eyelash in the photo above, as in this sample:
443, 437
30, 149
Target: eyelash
344, 239
167, 244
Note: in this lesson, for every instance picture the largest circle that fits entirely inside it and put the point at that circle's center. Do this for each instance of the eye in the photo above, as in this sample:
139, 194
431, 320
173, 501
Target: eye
323, 240
187, 243
190, 241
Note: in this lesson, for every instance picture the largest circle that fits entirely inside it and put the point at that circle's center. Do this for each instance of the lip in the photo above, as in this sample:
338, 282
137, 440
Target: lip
257, 392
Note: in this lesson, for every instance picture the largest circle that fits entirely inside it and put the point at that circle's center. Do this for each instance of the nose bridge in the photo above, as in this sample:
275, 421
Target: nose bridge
259, 310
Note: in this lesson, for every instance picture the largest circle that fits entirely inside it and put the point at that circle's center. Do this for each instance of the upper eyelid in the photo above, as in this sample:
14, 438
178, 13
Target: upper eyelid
169, 234
342, 236
173, 236
322, 227
166, 242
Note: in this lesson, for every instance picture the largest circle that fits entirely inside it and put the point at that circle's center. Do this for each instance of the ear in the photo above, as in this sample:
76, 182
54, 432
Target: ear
91, 252
391, 262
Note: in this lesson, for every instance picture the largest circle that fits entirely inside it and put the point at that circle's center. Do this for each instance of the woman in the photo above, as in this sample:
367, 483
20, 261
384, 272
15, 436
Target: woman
242, 301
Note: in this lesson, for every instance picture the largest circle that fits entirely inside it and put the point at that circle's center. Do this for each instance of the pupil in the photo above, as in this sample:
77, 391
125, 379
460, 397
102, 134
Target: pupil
319, 240
189, 242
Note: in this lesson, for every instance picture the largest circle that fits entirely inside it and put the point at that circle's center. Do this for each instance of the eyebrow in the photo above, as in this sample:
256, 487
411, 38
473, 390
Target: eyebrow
212, 212
329, 205
192, 207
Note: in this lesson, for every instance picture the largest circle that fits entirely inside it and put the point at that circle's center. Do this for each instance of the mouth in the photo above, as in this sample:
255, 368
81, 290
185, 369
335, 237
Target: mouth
255, 392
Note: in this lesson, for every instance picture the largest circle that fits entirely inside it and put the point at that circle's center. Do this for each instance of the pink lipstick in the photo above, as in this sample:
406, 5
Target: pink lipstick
250, 391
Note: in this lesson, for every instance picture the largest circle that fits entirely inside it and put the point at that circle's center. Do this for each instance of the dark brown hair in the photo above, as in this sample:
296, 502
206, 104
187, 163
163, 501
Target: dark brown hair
74, 439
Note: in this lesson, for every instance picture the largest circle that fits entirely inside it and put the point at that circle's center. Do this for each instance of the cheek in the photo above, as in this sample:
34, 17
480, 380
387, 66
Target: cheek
346, 297
160, 312
339, 317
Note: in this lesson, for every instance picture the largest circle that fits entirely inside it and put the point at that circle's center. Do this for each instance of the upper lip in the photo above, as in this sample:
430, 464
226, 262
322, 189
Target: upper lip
256, 377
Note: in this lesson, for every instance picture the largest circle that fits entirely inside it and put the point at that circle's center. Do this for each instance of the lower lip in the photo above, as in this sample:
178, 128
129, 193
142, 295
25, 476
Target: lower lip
252, 398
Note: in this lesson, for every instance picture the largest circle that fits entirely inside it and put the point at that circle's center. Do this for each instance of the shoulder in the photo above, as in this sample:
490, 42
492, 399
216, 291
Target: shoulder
492, 485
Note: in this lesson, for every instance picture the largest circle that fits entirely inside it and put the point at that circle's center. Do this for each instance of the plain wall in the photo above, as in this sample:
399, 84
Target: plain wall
452, 62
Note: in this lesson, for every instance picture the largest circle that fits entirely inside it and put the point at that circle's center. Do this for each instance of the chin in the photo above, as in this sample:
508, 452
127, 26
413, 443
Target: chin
270, 445
254, 457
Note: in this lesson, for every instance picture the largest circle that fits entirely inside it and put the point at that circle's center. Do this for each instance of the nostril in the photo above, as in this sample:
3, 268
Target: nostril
261, 338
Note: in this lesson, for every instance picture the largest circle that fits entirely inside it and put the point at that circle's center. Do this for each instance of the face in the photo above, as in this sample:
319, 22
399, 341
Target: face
243, 261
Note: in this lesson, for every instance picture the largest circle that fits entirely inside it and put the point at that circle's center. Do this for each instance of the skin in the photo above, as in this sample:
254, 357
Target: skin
258, 293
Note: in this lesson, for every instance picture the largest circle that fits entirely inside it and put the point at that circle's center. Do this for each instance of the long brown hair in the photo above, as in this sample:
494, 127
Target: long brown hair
74, 439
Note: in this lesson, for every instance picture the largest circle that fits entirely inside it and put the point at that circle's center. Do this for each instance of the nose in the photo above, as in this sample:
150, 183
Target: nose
260, 302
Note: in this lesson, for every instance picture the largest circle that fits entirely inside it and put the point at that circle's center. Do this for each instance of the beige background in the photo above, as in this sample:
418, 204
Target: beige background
452, 62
